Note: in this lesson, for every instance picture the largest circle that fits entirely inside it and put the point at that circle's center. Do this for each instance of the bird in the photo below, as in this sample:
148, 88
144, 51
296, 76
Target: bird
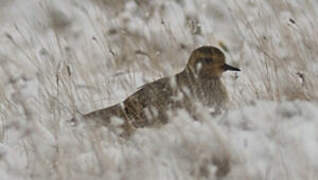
200, 81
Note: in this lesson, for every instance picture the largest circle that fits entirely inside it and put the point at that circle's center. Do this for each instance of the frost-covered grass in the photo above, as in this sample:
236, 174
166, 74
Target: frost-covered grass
65, 57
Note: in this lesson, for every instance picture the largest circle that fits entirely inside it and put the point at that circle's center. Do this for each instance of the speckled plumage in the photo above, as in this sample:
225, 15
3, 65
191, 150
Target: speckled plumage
149, 106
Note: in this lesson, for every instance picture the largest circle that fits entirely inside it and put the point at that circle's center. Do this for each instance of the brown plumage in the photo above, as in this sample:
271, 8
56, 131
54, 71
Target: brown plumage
149, 106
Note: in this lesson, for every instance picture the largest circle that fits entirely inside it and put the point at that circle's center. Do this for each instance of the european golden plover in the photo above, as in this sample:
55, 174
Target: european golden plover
198, 82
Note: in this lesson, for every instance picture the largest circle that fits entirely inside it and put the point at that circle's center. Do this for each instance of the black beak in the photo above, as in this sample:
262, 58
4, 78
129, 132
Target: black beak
230, 68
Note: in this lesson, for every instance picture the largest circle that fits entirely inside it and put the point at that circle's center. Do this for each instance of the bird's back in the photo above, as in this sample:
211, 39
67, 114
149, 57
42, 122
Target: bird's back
149, 105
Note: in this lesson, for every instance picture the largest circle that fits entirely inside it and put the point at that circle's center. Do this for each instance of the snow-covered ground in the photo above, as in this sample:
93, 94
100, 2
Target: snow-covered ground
64, 57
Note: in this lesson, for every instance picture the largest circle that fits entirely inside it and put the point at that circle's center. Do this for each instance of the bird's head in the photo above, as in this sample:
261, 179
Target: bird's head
208, 61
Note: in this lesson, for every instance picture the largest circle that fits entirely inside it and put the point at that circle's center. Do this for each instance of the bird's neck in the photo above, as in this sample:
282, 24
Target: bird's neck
209, 90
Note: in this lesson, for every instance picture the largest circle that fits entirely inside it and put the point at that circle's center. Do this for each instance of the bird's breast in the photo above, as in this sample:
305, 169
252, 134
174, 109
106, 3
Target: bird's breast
211, 93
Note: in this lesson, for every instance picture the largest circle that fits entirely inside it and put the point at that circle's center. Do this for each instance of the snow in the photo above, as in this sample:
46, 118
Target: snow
63, 58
